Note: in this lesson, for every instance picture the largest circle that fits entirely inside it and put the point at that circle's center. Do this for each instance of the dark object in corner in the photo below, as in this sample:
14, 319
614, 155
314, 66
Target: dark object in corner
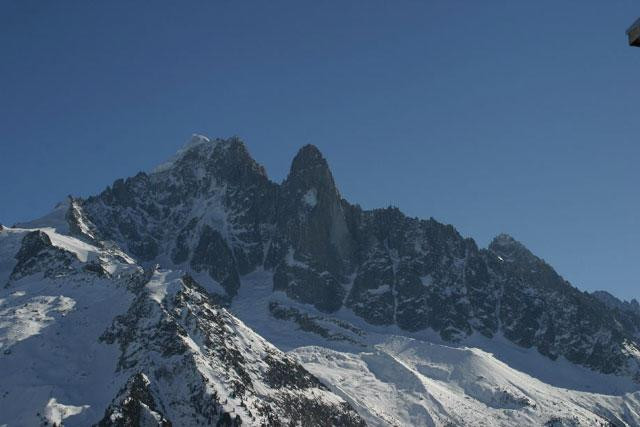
634, 34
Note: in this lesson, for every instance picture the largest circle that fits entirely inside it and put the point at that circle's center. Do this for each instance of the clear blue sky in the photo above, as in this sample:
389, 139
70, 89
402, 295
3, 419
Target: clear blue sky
495, 116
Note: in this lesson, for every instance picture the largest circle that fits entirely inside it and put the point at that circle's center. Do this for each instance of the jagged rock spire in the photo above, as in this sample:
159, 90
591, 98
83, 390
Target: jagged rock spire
312, 230
309, 197
309, 169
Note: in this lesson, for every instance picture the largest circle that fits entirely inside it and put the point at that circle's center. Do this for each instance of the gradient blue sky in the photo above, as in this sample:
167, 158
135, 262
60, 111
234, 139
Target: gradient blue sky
495, 116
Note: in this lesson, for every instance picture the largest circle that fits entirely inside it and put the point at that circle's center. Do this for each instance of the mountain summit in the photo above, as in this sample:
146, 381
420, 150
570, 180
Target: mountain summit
180, 251
214, 210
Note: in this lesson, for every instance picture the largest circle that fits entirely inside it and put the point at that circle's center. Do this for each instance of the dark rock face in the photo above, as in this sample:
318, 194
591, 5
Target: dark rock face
134, 406
420, 274
214, 209
627, 313
284, 373
412, 273
311, 215
214, 200
38, 254
539, 308
213, 255
201, 361
632, 307
308, 323
33, 244
312, 247
79, 225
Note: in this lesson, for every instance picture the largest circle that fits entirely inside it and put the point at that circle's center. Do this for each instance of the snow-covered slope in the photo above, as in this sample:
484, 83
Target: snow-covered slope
87, 336
408, 382
203, 293
395, 378
50, 321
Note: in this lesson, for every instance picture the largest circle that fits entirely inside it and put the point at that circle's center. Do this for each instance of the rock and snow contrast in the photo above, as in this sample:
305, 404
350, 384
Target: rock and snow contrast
84, 323
203, 293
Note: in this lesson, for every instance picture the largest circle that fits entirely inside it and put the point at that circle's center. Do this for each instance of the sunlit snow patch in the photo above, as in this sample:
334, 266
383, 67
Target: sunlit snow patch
19, 322
55, 412
310, 198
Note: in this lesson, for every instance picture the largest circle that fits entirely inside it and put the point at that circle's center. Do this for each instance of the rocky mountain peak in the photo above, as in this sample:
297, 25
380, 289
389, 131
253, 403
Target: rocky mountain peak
192, 148
307, 155
32, 243
310, 190
309, 169
510, 249
313, 245
215, 213
615, 303
234, 152
505, 240
212, 156
168, 249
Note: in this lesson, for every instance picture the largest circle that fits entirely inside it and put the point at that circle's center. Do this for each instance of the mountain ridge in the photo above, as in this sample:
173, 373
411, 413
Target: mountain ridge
85, 323
207, 236
231, 219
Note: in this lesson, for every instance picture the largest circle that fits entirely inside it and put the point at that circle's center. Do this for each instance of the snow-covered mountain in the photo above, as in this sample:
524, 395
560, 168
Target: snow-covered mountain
203, 292
89, 337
